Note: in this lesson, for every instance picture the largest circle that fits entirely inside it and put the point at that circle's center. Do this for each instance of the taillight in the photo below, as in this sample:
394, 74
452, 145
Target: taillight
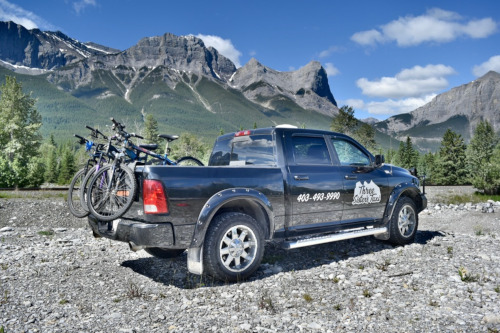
242, 133
153, 197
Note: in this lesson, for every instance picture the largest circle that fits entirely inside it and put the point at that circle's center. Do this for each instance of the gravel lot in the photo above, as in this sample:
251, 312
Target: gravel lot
55, 277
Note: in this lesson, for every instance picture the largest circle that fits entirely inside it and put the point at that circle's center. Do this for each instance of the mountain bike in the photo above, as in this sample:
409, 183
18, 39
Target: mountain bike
76, 207
112, 189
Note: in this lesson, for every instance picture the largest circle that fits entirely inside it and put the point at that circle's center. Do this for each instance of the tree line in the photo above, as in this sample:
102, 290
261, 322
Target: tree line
26, 160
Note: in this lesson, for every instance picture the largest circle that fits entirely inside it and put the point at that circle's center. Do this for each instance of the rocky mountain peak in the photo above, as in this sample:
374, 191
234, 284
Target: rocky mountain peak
307, 86
184, 53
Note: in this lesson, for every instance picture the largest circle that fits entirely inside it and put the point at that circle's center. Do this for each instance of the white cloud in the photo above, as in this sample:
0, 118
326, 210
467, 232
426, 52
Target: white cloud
389, 107
17, 14
224, 46
79, 6
493, 64
436, 25
392, 107
414, 82
329, 51
331, 70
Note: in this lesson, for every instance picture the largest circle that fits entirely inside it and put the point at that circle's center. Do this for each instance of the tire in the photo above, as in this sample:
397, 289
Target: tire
404, 222
84, 187
74, 202
109, 205
234, 246
163, 253
188, 161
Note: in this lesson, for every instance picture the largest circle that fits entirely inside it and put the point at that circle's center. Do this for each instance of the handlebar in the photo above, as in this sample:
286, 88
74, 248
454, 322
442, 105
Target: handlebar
96, 131
82, 139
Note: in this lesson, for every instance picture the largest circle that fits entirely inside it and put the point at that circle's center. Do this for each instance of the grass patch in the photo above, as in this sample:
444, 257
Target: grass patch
465, 276
46, 233
307, 298
475, 198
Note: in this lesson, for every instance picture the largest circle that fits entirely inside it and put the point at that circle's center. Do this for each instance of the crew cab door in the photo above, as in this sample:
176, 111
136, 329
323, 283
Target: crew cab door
366, 186
314, 183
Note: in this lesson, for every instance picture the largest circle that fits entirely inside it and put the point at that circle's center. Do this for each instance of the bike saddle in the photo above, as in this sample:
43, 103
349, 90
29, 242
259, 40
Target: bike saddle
150, 146
168, 137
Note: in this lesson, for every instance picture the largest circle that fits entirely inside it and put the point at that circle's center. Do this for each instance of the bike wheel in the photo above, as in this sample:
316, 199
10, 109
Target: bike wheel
111, 192
85, 186
74, 202
188, 161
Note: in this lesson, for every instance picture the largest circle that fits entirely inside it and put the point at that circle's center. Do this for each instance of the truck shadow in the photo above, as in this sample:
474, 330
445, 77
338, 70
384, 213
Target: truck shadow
174, 271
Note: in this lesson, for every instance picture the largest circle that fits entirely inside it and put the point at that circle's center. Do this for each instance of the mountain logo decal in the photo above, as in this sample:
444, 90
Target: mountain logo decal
366, 193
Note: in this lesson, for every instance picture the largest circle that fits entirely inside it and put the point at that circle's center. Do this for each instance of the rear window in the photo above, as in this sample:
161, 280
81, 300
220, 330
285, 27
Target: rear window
244, 150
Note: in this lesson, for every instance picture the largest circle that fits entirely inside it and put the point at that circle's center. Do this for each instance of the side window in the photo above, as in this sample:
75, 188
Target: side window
310, 150
244, 150
349, 154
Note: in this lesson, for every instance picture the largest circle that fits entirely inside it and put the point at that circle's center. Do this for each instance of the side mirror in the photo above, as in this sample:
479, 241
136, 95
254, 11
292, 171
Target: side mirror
413, 171
379, 160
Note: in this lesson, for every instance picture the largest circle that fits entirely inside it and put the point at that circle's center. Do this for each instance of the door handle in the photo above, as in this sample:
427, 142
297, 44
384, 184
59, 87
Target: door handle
350, 177
301, 177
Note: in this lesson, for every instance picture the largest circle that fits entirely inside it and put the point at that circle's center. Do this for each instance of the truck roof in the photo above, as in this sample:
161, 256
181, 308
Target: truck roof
270, 130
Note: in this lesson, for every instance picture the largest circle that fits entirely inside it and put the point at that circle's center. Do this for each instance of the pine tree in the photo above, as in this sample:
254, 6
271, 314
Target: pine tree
479, 155
151, 129
19, 134
365, 134
407, 155
451, 167
344, 121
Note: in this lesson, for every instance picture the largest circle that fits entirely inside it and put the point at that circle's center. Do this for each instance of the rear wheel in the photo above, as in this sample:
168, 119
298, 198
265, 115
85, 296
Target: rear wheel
84, 187
74, 202
404, 222
163, 253
188, 161
111, 192
234, 246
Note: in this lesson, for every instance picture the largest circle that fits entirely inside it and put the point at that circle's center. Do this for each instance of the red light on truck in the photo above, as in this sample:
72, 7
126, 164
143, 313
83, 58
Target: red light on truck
243, 133
153, 197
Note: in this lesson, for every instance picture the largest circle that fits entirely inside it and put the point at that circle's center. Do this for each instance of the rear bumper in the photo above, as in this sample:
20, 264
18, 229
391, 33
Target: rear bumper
137, 234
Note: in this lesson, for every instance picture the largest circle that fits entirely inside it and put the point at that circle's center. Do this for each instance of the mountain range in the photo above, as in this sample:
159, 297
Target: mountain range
184, 84
190, 87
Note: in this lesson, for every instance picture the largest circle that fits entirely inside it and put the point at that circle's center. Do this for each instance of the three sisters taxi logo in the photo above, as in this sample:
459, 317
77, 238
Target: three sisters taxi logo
366, 193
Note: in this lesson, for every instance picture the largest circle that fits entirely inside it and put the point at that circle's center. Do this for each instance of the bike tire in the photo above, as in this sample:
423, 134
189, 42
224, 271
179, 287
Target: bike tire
84, 187
109, 205
74, 202
188, 161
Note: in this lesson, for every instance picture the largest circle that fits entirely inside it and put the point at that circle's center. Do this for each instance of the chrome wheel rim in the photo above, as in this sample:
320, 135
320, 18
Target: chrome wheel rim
407, 221
237, 248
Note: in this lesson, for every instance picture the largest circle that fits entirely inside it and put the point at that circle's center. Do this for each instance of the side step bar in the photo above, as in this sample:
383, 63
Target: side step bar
333, 237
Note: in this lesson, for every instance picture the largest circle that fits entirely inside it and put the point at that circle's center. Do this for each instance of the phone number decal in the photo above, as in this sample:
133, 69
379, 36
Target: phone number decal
306, 197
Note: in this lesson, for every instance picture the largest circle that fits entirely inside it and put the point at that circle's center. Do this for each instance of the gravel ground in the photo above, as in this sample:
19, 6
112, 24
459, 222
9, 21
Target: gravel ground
55, 277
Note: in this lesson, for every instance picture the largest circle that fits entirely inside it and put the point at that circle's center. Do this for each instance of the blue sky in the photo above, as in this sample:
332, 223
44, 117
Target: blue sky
383, 57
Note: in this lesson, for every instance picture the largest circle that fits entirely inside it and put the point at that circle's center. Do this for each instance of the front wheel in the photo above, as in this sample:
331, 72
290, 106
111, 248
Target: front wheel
188, 161
404, 222
234, 246
111, 192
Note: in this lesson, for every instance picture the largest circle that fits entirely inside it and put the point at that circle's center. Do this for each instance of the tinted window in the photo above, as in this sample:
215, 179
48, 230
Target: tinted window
349, 154
310, 150
244, 150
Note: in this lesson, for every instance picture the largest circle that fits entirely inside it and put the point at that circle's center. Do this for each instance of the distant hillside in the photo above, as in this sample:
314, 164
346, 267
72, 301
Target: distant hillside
459, 109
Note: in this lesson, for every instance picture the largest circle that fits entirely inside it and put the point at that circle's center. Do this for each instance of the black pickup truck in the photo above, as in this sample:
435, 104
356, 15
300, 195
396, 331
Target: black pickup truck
301, 186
